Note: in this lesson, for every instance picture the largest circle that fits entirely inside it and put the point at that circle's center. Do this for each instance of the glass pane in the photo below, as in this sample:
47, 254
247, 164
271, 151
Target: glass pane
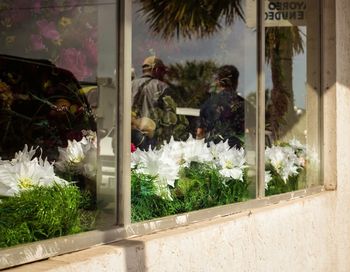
292, 95
193, 106
57, 93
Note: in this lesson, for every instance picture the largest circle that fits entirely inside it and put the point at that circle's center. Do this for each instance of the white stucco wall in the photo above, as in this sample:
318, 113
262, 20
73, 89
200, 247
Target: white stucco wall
309, 234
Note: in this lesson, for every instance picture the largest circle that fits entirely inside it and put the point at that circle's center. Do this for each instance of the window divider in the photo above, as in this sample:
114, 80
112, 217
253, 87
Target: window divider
123, 124
260, 113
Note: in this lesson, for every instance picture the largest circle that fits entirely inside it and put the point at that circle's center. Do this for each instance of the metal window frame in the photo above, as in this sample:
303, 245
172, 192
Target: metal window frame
260, 113
31, 252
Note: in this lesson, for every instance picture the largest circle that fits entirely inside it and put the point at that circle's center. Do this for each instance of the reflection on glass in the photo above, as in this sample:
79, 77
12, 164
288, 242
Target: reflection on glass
193, 108
51, 118
291, 103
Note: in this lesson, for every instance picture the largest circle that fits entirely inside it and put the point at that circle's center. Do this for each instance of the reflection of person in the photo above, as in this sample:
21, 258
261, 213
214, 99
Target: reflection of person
149, 88
147, 94
222, 114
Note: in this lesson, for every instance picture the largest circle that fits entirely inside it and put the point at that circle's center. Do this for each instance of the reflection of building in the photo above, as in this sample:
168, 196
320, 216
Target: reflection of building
306, 230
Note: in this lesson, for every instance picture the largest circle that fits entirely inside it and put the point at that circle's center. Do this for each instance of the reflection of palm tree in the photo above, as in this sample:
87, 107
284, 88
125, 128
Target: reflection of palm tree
191, 82
281, 44
190, 17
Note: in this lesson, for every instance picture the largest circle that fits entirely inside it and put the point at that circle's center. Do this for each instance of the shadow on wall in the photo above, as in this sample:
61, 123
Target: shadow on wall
134, 254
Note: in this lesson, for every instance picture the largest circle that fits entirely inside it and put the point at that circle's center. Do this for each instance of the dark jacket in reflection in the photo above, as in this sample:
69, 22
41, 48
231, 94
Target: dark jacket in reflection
222, 117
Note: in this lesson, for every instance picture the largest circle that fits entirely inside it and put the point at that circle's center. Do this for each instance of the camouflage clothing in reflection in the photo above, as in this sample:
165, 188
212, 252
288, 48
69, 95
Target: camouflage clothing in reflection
146, 96
222, 118
152, 98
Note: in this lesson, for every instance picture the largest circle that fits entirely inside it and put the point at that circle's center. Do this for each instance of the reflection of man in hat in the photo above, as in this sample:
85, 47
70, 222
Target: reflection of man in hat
148, 91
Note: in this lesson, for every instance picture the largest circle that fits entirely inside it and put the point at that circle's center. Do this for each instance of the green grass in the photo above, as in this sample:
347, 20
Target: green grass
199, 186
145, 203
43, 213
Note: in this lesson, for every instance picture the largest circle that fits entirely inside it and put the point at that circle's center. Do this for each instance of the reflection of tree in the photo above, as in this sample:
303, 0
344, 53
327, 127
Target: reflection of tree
282, 43
190, 17
191, 82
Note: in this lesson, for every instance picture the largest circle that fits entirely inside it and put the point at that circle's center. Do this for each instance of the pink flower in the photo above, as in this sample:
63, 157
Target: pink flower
15, 14
37, 6
89, 45
133, 148
75, 61
37, 42
48, 30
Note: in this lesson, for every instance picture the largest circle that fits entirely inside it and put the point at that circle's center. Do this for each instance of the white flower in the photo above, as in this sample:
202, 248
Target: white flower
196, 151
158, 163
235, 173
174, 149
74, 152
268, 178
136, 158
284, 160
232, 162
296, 144
23, 172
79, 156
289, 169
216, 149
25, 155
275, 155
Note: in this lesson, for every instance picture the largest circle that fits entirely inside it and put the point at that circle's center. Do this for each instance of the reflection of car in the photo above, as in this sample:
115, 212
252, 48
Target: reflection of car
41, 105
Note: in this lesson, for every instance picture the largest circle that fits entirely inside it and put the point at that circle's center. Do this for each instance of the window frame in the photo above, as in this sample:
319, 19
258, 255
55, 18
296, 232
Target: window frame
35, 251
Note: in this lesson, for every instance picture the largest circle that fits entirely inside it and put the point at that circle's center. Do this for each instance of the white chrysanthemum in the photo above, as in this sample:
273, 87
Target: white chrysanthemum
232, 163
73, 153
158, 163
24, 155
78, 156
136, 158
268, 178
276, 156
196, 151
218, 148
23, 172
289, 169
296, 144
174, 149
284, 160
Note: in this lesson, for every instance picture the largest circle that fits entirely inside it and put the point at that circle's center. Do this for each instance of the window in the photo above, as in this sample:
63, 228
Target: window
58, 101
195, 89
197, 78
220, 102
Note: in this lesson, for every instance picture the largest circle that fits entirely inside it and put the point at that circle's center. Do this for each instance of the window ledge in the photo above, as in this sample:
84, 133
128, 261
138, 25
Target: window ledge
93, 241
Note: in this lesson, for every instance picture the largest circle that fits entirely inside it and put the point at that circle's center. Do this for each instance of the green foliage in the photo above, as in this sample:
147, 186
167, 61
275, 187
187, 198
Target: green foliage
191, 82
43, 213
145, 203
200, 18
199, 186
278, 186
168, 123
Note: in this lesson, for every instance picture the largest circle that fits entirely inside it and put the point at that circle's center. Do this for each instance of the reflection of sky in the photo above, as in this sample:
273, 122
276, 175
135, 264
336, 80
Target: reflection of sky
232, 45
